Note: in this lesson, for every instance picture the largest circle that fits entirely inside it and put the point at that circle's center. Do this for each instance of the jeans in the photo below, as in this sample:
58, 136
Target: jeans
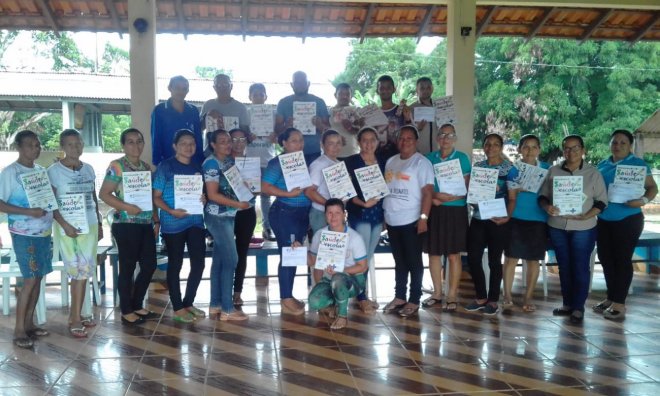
336, 291
244, 225
370, 234
407, 251
316, 220
286, 220
135, 242
616, 244
194, 237
573, 250
224, 261
482, 234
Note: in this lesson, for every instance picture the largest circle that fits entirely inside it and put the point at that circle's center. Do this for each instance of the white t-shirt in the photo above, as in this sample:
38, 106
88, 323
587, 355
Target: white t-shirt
356, 250
316, 175
67, 181
405, 180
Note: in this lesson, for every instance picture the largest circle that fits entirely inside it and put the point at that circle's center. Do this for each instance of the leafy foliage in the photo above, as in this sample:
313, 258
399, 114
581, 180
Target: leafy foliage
210, 72
112, 126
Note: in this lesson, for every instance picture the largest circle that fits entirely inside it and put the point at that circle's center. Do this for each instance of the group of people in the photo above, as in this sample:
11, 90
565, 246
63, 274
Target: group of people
419, 217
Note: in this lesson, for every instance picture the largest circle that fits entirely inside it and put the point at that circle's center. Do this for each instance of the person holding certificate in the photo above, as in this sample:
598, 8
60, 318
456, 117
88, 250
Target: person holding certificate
246, 220
71, 176
181, 221
528, 221
573, 236
448, 220
366, 215
335, 288
134, 228
30, 230
409, 176
492, 233
289, 216
621, 223
219, 215
318, 193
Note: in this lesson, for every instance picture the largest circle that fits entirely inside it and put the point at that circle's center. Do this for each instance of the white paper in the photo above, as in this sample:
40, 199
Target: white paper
137, 189
294, 257
294, 169
237, 184
332, 250
628, 183
38, 190
530, 177
211, 122
230, 122
424, 113
492, 208
567, 195
303, 115
445, 110
250, 169
371, 181
449, 176
339, 181
262, 120
372, 115
483, 185
188, 190
73, 210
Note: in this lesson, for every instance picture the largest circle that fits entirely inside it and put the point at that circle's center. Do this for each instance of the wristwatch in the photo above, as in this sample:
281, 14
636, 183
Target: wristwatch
645, 200
423, 216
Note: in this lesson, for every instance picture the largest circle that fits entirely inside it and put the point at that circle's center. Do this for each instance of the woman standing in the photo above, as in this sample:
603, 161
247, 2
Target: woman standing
448, 223
219, 214
245, 222
492, 233
409, 177
289, 216
620, 226
179, 228
528, 226
133, 229
78, 251
30, 230
574, 236
318, 193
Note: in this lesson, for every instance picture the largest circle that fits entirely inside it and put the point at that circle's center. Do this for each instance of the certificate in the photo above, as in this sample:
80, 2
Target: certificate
137, 189
237, 184
294, 169
73, 210
445, 110
294, 257
530, 177
567, 194
424, 113
371, 181
492, 208
339, 181
250, 169
211, 122
449, 176
372, 115
303, 117
262, 120
38, 190
628, 183
188, 190
483, 185
332, 250
230, 122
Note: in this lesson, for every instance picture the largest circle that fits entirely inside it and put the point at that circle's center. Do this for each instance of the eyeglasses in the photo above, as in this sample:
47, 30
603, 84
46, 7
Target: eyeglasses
239, 140
446, 136
573, 149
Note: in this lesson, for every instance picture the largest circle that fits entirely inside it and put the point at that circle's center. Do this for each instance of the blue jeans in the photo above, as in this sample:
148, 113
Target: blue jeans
264, 200
224, 261
286, 220
370, 234
573, 250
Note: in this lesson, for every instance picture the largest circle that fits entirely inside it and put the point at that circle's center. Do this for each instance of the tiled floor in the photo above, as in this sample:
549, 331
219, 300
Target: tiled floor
272, 354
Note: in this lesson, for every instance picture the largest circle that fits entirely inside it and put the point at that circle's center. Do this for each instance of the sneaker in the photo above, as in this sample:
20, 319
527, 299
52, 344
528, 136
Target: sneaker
185, 318
475, 306
235, 315
196, 312
491, 309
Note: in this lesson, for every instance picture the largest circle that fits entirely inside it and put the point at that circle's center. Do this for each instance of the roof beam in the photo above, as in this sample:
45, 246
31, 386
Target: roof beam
181, 17
604, 16
367, 21
48, 14
538, 25
110, 5
649, 25
245, 13
430, 10
486, 20
309, 13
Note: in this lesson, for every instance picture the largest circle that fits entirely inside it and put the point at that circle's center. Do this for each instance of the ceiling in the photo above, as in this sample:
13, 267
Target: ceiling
338, 19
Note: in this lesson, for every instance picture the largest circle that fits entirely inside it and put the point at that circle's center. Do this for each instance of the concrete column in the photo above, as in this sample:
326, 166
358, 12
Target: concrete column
143, 69
460, 68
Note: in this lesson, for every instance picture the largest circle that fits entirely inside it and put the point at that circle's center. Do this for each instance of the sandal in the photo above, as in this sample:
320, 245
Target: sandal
37, 332
409, 310
393, 306
78, 332
330, 311
529, 307
602, 306
451, 307
89, 322
24, 342
339, 323
431, 301
366, 306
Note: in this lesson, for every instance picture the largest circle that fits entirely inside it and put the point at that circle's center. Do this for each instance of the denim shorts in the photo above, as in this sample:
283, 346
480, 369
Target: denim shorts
33, 254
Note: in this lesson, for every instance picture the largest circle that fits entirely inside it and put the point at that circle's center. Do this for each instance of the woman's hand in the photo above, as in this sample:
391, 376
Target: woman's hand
371, 202
179, 213
635, 203
70, 230
500, 220
295, 192
552, 210
296, 244
422, 226
36, 212
243, 205
133, 210
330, 270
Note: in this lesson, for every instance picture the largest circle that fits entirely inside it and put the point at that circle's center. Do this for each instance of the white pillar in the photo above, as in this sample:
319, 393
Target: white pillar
143, 69
460, 68
67, 115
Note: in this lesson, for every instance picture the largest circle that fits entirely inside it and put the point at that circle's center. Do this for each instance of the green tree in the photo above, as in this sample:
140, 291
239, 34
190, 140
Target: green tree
115, 61
112, 126
210, 72
6, 39
62, 50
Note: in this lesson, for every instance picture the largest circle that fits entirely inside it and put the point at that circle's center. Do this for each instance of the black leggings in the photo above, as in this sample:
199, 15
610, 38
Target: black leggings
194, 237
482, 234
244, 225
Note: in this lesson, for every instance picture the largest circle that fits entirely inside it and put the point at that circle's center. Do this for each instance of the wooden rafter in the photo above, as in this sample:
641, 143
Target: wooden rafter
430, 10
649, 25
367, 21
110, 5
486, 20
538, 25
309, 14
604, 16
48, 14
181, 17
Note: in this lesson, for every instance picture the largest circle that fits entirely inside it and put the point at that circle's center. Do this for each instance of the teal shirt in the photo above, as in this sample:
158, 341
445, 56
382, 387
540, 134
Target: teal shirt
607, 168
466, 168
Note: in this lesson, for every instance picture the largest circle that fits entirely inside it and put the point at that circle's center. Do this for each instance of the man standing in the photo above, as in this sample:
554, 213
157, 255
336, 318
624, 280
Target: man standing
385, 89
427, 128
285, 114
226, 112
342, 119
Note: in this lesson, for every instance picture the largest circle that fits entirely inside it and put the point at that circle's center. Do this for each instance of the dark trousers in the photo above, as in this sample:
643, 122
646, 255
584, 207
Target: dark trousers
135, 242
195, 238
616, 245
244, 225
407, 251
482, 234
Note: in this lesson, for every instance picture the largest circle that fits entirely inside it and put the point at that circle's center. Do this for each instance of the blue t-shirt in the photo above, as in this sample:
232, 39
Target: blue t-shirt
357, 214
214, 171
527, 206
285, 109
165, 121
607, 168
503, 170
164, 182
466, 168
273, 175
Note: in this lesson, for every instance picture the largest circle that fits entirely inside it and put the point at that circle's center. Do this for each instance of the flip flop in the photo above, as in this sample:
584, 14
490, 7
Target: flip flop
37, 332
24, 342
78, 332
529, 308
451, 306
339, 323
431, 301
88, 323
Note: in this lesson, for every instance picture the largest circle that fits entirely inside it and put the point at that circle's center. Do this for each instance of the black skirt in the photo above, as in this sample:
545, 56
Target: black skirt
447, 230
529, 240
